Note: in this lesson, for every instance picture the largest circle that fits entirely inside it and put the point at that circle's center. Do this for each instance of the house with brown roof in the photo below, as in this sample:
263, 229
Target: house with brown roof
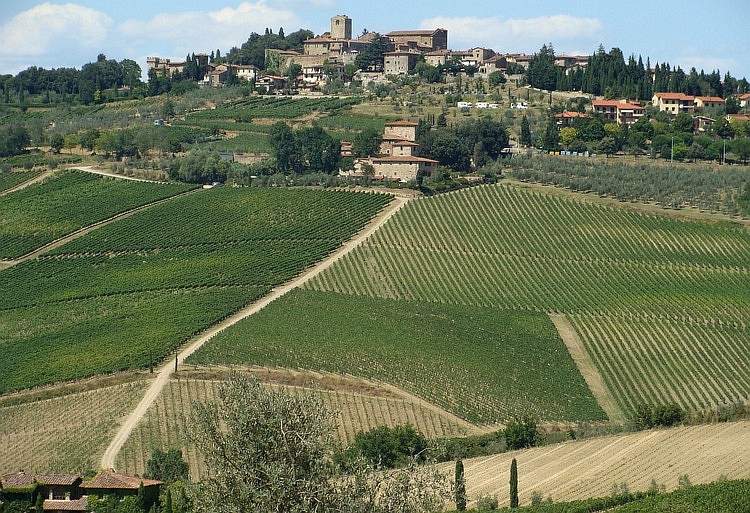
621, 112
744, 100
60, 492
566, 117
708, 102
674, 103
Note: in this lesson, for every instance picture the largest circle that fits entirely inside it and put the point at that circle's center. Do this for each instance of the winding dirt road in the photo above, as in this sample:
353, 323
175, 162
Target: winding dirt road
110, 455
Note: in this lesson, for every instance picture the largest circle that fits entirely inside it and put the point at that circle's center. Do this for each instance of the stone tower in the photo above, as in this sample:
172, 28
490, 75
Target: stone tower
341, 27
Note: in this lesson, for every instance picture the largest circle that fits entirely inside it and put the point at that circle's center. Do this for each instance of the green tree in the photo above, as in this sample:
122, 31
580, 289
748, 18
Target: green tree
268, 450
568, 134
513, 484
460, 486
13, 139
167, 466
285, 148
521, 434
71, 141
525, 135
390, 447
496, 78
551, 136
372, 57
741, 148
168, 502
608, 146
57, 142
367, 142
320, 151
542, 71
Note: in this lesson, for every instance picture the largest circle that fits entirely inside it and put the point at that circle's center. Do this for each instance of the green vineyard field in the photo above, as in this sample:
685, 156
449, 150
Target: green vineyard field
482, 364
41, 213
9, 180
128, 293
668, 294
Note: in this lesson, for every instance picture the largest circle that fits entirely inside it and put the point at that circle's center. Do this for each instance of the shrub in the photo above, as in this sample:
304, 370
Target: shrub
390, 447
647, 416
521, 434
487, 502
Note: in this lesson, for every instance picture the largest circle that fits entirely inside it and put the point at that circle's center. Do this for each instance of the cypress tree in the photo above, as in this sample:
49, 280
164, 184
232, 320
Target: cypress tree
460, 490
514, 484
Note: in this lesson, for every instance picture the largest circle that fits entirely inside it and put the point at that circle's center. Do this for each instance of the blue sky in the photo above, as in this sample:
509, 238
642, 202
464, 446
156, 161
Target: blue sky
702, 34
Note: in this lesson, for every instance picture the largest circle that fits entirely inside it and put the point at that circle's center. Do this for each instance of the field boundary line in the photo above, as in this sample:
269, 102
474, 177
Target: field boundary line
165, 373
588, 369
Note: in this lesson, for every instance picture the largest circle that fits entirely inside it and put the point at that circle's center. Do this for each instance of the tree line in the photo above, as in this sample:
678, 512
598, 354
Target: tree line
610, 75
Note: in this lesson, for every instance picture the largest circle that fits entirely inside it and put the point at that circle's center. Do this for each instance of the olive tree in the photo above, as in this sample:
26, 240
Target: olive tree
269, 450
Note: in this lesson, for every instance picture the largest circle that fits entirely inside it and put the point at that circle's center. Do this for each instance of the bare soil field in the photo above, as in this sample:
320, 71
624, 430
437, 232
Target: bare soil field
590, 468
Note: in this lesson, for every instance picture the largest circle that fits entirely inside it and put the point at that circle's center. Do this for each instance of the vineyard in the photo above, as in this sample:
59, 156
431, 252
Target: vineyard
43, 212
127, 294
66, 434
167, 422
482, 364
590, 468
9, 180
660, 303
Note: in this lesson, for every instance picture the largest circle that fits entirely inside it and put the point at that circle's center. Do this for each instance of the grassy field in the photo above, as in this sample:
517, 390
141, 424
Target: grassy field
130, 292
483, 364
660, 303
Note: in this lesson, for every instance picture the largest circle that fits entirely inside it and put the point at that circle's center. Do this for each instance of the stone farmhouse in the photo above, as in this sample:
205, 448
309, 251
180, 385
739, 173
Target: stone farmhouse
398, 160
67, 492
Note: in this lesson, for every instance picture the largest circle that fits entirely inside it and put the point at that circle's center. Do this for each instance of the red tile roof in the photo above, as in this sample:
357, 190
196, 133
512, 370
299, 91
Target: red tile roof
66, 505
404, 158
675, 96
738, 117
716, 99
402, 123
571, 115
110, 479
21, 480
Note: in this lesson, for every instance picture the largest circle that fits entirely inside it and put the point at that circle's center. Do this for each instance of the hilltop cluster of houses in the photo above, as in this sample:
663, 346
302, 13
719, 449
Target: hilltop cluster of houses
323, 57
68, 492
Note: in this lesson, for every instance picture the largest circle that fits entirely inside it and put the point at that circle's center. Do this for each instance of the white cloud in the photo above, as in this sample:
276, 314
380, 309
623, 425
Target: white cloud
49, 29
510, 35
204, 31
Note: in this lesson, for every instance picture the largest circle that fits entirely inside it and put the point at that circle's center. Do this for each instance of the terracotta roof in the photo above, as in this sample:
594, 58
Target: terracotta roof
412, 32
404, 142
717, 99
17, 480
570, 115
66, 505
620, 105
57, 479
738, 117
402, 123
112, 480
744, 96
675, 96
404, 158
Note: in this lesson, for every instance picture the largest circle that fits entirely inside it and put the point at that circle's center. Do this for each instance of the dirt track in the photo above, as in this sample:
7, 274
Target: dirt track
110, 455
588, 369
